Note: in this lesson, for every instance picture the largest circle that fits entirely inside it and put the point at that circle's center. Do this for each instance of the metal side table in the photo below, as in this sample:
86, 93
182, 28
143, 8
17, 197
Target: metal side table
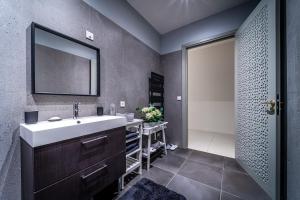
152, 131
133, 159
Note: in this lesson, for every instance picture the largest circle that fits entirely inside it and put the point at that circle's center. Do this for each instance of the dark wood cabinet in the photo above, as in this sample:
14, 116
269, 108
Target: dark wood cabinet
73, 169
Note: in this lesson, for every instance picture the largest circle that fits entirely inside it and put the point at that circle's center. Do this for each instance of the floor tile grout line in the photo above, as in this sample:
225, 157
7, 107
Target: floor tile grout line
185, 160
170, 170
190, 153
221, 186
171, 180
237, 171
222, 183
222, 178
212, 140
205, 185
209, 186
232, 194
205, 163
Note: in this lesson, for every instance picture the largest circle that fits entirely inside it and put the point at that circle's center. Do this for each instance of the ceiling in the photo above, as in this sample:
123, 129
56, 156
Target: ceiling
168, 15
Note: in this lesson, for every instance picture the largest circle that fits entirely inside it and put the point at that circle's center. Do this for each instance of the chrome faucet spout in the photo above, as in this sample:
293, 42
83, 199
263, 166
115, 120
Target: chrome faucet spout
75, 110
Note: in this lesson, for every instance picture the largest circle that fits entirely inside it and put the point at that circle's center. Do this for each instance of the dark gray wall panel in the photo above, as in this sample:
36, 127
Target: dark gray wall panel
14, 18
121, 12
126, 64
225, 21
171, 64
293, 99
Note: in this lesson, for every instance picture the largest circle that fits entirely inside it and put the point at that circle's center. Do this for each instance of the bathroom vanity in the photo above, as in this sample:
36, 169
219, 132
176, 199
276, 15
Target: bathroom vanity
71, 159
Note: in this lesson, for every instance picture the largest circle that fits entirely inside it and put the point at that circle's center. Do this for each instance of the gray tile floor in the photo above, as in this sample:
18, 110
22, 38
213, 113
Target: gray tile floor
202, 176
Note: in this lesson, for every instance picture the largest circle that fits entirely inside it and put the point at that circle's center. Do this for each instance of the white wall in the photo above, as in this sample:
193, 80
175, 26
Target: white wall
211, 87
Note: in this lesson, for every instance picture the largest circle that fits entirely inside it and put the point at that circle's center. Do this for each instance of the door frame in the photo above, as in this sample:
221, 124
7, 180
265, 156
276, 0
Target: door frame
184, 49
282, 97
281, 87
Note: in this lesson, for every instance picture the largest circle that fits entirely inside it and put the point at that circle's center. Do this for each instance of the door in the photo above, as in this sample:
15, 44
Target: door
255, 95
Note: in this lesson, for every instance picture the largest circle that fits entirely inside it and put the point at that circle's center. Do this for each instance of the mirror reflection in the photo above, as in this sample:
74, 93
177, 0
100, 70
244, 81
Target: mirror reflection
63, 66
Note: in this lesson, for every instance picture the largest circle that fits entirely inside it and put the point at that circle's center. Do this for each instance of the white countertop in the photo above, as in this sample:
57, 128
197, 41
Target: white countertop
45, 132
135, 122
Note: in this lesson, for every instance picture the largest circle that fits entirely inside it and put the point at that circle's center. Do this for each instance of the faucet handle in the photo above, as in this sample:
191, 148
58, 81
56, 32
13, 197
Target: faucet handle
76, 104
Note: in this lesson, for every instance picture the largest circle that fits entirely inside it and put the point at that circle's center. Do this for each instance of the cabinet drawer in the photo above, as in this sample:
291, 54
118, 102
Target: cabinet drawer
57, 161
83, 185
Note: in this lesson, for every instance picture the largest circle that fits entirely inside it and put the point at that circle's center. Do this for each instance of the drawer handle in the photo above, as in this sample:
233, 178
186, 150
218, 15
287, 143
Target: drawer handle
94, 141
96, 173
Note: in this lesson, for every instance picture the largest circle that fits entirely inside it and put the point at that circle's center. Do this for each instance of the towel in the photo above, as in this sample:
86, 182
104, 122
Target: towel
131, 135
131, 145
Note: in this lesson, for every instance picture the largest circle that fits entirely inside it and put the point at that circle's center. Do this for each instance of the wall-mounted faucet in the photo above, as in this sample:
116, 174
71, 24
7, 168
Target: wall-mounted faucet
75, 110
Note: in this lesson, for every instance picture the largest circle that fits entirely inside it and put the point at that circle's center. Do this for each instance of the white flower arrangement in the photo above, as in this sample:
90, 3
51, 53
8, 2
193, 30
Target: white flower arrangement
151, 114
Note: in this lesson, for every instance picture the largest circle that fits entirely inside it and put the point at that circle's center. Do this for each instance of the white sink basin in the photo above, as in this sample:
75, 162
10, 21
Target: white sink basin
46, 132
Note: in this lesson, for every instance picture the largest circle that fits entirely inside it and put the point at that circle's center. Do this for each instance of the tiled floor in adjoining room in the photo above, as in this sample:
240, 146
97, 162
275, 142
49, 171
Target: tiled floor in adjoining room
202, 176
216, 143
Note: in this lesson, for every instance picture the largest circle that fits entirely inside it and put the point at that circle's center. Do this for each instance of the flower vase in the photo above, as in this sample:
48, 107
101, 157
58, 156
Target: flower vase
151, 124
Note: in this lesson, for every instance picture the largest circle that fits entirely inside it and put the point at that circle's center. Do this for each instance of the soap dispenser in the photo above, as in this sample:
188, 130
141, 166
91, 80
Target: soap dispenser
112, 109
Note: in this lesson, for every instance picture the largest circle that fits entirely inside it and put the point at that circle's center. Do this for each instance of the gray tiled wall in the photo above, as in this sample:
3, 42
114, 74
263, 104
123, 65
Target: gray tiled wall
171, 64
125, 65
293, 99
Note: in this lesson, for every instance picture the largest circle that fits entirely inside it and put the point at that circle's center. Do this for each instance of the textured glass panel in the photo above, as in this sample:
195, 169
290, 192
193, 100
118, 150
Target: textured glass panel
252, 89
255, 85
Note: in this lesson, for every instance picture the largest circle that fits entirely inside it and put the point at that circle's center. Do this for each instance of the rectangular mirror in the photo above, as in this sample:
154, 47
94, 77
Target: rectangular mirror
62, 65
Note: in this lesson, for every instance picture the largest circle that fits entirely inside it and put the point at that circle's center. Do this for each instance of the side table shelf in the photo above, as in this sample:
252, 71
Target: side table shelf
152, 131
133, 158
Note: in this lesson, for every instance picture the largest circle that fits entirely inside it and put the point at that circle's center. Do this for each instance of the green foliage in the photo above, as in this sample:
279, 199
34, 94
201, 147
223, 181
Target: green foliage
150, 114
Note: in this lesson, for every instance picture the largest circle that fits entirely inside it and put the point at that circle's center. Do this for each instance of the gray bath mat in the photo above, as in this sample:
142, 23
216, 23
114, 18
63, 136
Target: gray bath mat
146, 189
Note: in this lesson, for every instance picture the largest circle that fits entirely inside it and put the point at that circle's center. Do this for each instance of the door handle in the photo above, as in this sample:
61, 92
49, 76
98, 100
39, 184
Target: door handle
271, 106
94, 142
91, 176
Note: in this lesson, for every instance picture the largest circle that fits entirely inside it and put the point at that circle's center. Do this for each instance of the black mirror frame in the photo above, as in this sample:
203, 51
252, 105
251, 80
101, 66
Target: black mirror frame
33, 27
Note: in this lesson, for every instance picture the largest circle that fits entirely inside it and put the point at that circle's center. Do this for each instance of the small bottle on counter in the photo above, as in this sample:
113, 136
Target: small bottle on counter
112, 109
